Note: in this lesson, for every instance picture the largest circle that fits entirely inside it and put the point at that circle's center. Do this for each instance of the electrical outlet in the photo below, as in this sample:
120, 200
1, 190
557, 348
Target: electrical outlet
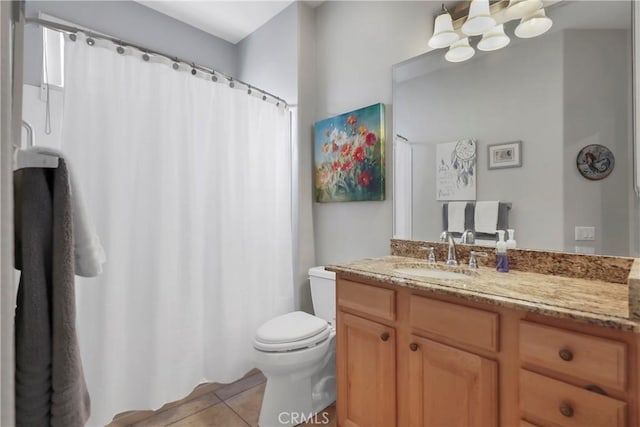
585, 233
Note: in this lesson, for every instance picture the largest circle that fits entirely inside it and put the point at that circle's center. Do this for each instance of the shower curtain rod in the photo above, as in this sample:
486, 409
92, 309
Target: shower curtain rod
123, 43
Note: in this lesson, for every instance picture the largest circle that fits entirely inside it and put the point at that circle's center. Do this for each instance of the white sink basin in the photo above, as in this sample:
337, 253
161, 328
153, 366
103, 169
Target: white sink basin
432, 273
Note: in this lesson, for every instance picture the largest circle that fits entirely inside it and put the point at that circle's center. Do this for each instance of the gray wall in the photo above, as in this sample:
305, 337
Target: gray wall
357, 43
306, 116
133, 22
596, 111
268, 57
512, 94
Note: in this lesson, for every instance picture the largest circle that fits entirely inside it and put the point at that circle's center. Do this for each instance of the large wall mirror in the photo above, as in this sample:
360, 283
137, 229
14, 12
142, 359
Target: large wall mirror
556, 93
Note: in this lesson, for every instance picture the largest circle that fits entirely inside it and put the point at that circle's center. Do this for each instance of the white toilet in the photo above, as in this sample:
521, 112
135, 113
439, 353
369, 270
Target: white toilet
296, 353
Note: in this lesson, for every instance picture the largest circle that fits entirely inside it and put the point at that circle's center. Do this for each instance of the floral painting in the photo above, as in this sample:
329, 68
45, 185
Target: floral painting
349, 156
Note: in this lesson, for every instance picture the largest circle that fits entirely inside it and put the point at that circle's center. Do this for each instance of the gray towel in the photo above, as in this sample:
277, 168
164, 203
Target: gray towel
47, 351
33, 213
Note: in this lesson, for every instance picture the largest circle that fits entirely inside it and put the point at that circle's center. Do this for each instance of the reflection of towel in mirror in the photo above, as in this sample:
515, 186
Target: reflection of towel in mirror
456, 211
486, 217
50, 385
89, 254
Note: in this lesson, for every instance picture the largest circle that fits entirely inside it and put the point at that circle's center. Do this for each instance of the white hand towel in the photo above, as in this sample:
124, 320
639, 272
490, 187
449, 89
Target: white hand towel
456, 216
486, 217
89, 253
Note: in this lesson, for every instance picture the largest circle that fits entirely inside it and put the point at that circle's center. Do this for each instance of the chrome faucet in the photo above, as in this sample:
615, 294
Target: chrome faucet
451, 254
468, 237
473, 261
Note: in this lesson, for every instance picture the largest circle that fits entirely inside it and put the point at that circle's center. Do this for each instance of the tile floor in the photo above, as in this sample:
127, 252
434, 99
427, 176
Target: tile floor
212, 405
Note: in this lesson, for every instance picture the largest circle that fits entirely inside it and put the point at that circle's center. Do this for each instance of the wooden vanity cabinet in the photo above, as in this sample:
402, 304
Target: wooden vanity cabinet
573, 379
408, 357
366, 356
450, 387
367, 364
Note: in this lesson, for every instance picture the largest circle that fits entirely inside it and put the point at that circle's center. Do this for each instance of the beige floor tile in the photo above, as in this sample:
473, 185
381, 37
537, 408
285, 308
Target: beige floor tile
165, 417
219, 415
252, 372
239, 386
247, 404
204, 389
130, 417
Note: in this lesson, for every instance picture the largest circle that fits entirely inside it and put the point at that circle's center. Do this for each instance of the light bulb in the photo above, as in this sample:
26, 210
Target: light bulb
534, 25
460, 51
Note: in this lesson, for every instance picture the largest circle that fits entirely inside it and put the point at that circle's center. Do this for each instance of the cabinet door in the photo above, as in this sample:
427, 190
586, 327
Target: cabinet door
366, 368
450, 387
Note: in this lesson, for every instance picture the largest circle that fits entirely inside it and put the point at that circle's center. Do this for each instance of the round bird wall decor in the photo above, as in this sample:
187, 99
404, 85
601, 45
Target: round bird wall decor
595, 162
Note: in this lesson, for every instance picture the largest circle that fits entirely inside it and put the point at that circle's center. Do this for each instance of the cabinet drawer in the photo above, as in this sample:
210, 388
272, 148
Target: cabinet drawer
547, 401
596, 360
378, 302
467, 325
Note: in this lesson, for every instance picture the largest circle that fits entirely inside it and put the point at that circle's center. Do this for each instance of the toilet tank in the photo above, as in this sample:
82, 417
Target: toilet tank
323, 293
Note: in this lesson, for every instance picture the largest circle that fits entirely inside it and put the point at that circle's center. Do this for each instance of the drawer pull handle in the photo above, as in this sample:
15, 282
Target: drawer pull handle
566, 355
413, 346
594, 388
384, 336
566, 410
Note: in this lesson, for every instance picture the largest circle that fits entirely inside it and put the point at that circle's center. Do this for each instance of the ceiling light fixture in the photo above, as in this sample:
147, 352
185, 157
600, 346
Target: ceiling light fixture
534, 25
479, 20
460, 51
443, 34
494, 39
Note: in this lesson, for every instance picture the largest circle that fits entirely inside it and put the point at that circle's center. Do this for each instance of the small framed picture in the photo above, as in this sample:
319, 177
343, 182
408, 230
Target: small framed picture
506, 155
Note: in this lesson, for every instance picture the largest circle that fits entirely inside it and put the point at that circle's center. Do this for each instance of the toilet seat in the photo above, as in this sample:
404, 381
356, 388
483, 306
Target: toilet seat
291, 331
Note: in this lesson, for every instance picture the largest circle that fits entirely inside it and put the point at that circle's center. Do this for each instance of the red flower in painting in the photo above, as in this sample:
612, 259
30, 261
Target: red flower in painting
358, 154
347, 166
364, 179
371, 139
334, 147
345, 150
352, 120
335, 166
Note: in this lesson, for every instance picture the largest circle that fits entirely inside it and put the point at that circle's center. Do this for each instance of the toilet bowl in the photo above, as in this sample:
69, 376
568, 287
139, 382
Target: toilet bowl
296, 353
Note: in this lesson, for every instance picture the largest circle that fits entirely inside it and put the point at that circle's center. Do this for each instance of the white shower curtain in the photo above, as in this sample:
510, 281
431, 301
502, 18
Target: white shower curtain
189, 185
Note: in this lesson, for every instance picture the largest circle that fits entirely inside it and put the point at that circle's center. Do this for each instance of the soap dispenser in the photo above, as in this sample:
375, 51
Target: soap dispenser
511, 242
502, 259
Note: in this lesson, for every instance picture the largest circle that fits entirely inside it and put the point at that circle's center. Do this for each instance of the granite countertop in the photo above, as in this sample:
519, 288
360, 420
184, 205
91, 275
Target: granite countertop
591, 301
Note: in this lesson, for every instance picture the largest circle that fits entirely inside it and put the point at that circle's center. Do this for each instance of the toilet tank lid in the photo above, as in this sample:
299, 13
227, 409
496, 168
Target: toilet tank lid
322, 273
